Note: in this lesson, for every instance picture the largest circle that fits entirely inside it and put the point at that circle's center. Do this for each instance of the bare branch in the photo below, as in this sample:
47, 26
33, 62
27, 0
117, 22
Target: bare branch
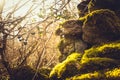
2, 4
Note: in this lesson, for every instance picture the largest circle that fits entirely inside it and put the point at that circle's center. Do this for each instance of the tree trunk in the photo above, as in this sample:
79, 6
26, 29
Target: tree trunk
3, 57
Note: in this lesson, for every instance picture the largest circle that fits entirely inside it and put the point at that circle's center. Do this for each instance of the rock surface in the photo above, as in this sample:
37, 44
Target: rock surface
95, 39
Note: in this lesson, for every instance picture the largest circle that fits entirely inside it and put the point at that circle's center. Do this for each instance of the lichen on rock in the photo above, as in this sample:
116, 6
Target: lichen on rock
93, 60
71, 38
104, 4
110, 50
71, 29
68, 46
83, 8
113, 74
97, 36
68, 67
101, 26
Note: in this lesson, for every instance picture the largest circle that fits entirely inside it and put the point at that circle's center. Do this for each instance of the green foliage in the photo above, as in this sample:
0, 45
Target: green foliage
66, 68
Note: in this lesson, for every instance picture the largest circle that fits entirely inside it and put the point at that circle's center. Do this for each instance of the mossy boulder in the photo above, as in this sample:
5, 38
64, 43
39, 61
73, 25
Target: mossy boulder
68, 46
70, 29
88, 76
110, 50
94, 64
101, 26
71, 38
104, 4
83, 8
113, 74
101, 57
68, 67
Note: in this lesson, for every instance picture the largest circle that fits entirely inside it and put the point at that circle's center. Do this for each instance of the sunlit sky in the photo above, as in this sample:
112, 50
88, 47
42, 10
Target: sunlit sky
10, 4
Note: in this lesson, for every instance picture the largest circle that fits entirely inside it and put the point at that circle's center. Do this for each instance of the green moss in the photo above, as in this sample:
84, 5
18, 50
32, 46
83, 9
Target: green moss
66, 46
64, 69
88, 76
113, 74
101, 57
44, 71
108, 15
90, 5
95, 64
82, 19
70, 29
97, 30
110, 50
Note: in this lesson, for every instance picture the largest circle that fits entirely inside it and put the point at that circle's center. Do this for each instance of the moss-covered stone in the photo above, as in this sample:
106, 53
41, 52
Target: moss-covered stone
96, 64
67, 68
101, 26
113, 74
68, 46
104, 4
102, 58
83, 8
101, 29
110, 50
89, 76
70, 29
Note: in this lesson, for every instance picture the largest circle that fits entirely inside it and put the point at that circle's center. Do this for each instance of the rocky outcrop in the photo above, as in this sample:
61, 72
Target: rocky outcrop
97, 63
71, 38
83, 8
90, 45
104, 4
92, 29
101, 26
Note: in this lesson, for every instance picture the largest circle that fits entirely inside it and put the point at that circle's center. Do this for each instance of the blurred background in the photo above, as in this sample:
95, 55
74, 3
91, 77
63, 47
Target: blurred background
27, 30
